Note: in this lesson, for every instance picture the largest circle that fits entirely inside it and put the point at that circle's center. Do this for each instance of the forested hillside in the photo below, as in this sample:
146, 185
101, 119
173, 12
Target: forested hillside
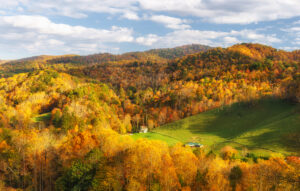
197, 82
172, 53
65, 121
155, 55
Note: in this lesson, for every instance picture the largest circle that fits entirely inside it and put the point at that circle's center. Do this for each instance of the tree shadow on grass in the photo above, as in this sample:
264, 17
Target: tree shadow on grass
279, 136
242, 118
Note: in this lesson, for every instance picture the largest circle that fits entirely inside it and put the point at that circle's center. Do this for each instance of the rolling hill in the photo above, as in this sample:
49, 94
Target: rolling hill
64, 122
154, 55
263, 127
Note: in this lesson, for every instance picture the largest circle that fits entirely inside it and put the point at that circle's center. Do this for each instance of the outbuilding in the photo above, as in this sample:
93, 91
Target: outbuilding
144, 129
192, 144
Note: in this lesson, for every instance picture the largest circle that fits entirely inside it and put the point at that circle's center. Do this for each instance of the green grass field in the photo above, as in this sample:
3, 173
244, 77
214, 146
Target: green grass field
267, 127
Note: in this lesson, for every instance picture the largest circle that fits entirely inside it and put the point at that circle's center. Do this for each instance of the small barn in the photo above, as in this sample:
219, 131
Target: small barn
144, 129
193, 144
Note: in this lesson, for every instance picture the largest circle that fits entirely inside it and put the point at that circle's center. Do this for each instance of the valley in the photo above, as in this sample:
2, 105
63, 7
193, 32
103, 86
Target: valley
72, 122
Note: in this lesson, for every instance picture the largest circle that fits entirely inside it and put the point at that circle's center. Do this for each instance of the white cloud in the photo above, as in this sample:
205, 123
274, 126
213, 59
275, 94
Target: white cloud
170, 22
212, 38
297, 41
294, 35
296, 29
296, 22
253, 36
9, 4
230, 40
217, 11
228, 11
149, 40
290, 48
36, 34
131, 15
72, 8
43, 25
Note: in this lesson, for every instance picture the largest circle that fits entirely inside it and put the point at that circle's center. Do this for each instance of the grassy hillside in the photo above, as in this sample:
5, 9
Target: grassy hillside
262, 128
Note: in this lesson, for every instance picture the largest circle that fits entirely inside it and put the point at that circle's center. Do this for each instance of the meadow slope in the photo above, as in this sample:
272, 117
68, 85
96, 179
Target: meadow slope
263, 128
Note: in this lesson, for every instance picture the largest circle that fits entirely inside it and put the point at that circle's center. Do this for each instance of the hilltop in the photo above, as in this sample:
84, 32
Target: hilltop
177, 52
155, 55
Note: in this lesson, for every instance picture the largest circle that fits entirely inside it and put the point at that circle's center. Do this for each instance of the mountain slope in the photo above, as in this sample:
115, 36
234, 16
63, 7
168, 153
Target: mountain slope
262, 127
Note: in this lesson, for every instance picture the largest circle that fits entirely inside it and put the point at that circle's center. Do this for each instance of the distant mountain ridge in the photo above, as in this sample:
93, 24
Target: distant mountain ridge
153, 55
171, 53
39, 58
3, 61
159, 55
192, 55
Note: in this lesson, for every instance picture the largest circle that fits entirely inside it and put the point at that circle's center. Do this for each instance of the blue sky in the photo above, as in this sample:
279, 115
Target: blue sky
56, 27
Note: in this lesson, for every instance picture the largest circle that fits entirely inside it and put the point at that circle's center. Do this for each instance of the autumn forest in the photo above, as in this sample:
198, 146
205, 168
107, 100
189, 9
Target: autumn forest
74, 122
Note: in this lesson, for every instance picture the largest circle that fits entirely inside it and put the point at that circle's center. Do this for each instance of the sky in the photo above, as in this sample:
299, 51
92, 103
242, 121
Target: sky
57, 27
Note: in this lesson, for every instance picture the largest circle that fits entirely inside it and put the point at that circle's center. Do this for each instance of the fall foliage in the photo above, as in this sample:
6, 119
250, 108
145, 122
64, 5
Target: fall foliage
65, 121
